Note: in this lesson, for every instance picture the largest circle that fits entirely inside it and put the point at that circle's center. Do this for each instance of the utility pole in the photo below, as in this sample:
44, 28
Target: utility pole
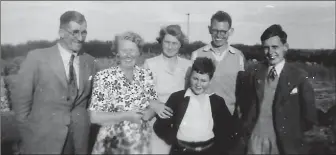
188, 14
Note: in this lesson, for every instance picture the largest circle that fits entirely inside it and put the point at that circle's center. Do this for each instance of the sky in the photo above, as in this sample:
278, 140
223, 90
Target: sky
308, 24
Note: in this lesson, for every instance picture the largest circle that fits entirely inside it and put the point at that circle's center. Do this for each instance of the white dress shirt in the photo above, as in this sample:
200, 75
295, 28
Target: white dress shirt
66, 55
197, 123
278, 67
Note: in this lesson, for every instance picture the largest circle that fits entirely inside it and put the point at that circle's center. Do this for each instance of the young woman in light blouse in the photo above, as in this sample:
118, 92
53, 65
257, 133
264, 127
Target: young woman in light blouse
170, 73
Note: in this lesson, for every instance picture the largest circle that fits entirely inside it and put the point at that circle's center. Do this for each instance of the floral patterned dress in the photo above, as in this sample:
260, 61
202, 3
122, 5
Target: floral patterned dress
4, 106
112, 92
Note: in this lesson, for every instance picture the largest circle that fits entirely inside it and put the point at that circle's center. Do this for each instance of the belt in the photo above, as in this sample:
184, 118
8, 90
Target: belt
196, 146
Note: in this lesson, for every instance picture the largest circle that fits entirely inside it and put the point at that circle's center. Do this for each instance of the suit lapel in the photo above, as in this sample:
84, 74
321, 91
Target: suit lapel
181, 110
287, 81
56, 64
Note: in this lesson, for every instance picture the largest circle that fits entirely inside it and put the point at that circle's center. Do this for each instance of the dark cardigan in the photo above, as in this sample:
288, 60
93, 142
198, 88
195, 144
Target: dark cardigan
167, 129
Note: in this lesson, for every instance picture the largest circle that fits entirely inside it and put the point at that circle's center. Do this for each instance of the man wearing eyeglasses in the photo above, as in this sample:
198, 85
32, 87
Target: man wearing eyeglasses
229, 60
51, 93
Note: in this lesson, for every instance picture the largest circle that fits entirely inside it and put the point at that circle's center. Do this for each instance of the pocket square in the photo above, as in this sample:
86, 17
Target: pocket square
294, 91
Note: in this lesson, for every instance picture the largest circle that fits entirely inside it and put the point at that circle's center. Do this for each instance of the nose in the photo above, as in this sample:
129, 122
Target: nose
198, 83
80, 37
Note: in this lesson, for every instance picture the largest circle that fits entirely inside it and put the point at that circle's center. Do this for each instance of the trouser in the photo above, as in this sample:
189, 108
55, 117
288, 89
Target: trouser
178, 149
68, 147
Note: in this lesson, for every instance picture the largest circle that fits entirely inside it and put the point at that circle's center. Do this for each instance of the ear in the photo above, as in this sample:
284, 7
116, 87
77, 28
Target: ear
286, 46
61, 33
209, 28
231, 31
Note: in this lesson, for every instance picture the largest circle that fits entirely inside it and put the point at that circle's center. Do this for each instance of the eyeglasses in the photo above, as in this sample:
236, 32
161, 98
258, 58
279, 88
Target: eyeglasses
76, 33
215, 31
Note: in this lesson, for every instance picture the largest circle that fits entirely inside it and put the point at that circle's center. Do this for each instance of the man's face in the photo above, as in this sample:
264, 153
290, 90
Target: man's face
199, 83
274, 50
74, 35
220, 32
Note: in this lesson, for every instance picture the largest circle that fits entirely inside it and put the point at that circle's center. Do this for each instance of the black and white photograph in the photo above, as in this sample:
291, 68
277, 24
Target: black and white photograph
168, 77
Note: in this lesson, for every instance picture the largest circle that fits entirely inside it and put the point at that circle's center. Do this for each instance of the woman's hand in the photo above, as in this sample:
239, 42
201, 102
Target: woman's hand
162, 110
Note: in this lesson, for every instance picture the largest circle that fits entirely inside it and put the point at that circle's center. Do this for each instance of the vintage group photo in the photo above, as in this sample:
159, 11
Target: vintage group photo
168, 77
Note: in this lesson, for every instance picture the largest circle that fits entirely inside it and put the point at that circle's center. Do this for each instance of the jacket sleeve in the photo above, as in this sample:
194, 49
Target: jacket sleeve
23, 87
307, 100
164, 127
224, 127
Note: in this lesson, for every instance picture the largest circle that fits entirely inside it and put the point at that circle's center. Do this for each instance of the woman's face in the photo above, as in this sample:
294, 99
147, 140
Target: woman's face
170, 46
128, 53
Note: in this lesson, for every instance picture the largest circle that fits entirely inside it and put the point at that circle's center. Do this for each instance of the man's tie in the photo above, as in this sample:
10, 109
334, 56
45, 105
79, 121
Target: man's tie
272, 74
72, 83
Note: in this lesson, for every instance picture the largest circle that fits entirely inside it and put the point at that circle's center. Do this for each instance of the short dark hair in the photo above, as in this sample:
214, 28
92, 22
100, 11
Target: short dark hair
71, 16
204, 65
274, 30
174, 30
221, 16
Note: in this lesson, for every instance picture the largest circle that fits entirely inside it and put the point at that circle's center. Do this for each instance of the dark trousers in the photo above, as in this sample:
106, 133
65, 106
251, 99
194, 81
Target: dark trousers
68, 147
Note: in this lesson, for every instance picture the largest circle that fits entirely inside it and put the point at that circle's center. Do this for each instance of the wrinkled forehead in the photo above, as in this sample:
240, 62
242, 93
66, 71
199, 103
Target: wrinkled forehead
77, 26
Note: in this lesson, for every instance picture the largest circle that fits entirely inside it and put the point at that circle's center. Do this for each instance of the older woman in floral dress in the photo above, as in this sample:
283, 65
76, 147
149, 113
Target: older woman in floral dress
120, 102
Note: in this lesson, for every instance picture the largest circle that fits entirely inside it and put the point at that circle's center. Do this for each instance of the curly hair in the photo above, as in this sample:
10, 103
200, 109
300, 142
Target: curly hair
174, 30
130, 36
204, 65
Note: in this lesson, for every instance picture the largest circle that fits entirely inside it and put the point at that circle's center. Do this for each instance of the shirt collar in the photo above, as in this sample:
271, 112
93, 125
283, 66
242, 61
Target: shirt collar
278, 67
65, 51
189, 93
209, 48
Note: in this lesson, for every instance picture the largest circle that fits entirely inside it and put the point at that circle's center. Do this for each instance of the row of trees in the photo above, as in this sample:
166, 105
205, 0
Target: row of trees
13, 55
100, 49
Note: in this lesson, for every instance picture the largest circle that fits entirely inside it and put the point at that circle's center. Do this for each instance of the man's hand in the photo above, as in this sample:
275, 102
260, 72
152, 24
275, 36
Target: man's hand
162, 110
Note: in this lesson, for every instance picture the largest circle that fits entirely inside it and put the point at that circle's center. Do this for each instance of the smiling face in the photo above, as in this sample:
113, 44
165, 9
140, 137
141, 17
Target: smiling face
170, 46
128, 53
199, 83
220, 32
73, 35
274, 50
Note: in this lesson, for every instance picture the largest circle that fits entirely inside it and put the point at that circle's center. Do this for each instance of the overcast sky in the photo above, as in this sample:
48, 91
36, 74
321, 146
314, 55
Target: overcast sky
308, 24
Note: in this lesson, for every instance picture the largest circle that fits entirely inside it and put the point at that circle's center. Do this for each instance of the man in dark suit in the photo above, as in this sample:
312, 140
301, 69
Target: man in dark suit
201, 122
276, 101
51, 93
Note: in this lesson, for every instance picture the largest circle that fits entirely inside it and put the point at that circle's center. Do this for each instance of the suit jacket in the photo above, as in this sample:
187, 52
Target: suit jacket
43, 110
293, 113
167, 129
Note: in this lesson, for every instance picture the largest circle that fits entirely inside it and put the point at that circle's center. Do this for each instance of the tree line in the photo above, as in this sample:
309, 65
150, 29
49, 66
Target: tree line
13, 55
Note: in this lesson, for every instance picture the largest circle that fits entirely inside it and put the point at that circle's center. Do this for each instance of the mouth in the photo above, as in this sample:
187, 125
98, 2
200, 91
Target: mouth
272, 57
198, 88
219, 39
128, 60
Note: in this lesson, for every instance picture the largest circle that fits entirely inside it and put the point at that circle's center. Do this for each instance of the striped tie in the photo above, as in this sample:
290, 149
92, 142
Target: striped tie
272, 74
72, 83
